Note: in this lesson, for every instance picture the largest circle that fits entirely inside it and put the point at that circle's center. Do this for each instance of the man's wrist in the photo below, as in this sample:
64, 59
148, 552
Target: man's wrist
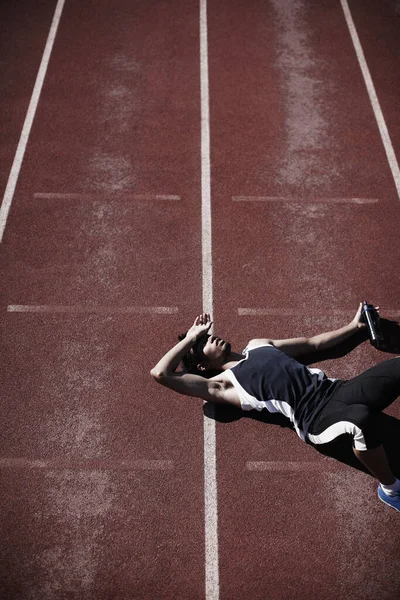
356, 325
192, 338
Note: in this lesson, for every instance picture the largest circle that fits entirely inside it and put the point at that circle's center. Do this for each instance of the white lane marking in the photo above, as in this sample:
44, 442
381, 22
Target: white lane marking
48, 308
205, 165
89, 464
394, 167
286, 312
298, 312
279, 465
289, 312
210, 460
30, 115
111, 196
304, 200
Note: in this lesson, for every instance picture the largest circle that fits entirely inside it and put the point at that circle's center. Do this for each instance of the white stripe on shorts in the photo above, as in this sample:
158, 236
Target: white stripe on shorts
337, 429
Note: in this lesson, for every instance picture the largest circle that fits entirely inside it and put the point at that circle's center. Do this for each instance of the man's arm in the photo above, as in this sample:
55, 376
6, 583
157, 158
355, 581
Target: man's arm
302, 345
187, 383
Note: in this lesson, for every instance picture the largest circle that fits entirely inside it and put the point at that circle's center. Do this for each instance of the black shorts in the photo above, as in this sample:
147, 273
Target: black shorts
356, 405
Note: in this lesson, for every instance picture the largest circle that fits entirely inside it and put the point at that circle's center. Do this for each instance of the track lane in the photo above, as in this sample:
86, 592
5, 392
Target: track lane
291, 119
118, 118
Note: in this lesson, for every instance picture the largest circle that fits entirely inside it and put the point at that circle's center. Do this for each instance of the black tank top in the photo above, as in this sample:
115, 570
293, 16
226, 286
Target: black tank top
269, 378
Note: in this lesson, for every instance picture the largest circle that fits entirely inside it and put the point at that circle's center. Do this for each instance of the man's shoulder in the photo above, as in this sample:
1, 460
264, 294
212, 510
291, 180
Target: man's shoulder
258, 343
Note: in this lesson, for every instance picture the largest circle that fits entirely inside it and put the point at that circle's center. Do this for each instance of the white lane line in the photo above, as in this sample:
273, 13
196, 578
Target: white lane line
290, 312
279, 465
48, 308
205, 165
291, 200
210, 460
298, 312
30, 115
284, 312
394, 167
83, 465
111, 196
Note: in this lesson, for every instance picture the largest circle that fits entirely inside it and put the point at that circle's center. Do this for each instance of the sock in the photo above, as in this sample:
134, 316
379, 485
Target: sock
392, 489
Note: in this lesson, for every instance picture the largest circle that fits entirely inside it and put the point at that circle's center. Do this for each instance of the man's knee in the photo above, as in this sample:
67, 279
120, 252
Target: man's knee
368, 434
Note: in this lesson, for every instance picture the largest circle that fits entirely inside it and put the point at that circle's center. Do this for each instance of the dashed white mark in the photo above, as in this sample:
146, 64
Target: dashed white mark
94, 197
48, 308
279, 465
287, 312
303, 312
303, 201
86, 465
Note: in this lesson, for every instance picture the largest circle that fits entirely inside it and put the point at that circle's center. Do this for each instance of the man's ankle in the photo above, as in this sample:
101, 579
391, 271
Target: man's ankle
392, 488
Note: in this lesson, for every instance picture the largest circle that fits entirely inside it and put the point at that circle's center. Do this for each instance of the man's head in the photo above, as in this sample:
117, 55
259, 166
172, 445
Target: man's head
209, 353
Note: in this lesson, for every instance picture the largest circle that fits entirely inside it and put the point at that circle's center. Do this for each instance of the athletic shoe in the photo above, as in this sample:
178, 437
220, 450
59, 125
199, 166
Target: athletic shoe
393, 501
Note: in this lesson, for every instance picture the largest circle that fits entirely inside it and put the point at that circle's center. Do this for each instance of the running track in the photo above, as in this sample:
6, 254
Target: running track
105, 258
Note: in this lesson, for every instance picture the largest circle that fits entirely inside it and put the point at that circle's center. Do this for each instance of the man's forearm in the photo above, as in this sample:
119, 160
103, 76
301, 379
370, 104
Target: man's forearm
330, 339
170, 361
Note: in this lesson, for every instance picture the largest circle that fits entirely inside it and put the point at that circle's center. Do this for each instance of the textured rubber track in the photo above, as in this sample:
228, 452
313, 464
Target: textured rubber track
292, 122
101, 470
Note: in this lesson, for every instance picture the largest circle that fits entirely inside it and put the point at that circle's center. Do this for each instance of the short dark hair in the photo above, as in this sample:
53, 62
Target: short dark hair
195, 354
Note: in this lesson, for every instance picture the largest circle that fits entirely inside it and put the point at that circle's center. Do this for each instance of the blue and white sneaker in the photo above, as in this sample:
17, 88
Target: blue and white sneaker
393, 501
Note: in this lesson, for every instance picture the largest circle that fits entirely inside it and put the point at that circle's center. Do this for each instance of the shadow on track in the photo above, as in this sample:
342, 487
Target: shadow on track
341, 448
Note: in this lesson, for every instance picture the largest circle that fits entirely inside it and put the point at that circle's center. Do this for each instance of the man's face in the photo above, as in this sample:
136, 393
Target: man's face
211, 349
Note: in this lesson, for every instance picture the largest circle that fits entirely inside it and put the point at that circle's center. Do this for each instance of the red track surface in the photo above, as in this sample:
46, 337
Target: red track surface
119, 115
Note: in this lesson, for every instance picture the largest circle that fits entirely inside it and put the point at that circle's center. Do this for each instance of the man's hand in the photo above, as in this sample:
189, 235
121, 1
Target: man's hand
200, 326
166, 367
358, 319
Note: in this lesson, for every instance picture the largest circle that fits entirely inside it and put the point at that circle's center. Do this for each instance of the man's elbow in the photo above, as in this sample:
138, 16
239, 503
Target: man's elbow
157, 375
314, 344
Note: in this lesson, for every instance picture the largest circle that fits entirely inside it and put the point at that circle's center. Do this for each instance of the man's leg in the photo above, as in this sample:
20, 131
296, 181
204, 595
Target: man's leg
359, 421
365, 396
377, 388
377, 463
355, 408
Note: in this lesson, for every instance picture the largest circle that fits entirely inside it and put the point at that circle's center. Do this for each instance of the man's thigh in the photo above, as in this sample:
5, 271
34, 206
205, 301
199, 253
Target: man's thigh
357, 421
376, 388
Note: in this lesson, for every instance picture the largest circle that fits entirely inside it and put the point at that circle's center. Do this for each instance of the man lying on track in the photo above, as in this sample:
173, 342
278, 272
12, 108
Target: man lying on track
267, 375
